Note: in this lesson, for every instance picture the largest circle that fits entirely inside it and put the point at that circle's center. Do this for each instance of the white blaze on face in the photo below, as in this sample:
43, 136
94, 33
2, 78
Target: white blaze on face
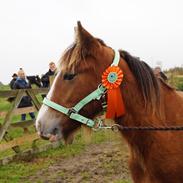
41, 116
47, 117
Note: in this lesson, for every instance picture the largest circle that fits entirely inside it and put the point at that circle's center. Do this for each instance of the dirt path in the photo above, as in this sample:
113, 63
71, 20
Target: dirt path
106, 162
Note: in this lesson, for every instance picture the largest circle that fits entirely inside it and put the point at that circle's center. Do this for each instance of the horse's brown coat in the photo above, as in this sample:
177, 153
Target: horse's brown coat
156, 157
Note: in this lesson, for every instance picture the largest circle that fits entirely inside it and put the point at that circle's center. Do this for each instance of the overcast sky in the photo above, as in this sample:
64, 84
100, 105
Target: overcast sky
35, 32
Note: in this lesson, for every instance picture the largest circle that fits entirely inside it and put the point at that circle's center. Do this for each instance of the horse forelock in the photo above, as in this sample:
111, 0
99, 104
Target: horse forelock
74, 54
70, 57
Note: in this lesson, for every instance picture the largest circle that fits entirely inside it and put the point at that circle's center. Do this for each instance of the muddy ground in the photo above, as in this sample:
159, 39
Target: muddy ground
106, 162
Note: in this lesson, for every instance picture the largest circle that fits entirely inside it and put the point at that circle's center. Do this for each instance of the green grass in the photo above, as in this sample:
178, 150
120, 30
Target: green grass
4, 105
4, 87
176, 81
121, 181
180, 83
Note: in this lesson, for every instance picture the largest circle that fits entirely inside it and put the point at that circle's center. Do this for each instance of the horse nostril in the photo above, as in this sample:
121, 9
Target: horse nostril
55, 131
40, 133
45, 136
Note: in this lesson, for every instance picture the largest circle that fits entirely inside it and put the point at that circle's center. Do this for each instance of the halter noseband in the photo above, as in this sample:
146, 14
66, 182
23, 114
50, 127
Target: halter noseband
73, 113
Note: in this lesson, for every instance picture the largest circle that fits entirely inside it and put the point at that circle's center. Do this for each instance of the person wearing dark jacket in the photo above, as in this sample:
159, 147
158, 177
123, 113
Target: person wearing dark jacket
21, 83
12, 82
51, 72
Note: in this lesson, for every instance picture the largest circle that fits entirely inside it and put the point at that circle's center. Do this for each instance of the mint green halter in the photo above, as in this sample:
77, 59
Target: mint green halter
73, 113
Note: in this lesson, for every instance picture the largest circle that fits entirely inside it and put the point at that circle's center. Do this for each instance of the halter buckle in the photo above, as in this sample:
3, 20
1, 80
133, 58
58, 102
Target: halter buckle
102, 88
70, 111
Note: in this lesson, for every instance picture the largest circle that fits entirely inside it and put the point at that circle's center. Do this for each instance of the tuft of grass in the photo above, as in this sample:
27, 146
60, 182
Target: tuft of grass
121, 181
4, 104
14, 171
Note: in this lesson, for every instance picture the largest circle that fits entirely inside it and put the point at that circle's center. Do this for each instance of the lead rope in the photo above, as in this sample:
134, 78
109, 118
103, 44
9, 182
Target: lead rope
116, 127
146, 128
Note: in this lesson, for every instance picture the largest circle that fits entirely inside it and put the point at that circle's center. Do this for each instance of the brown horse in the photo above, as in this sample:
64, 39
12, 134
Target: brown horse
156, 157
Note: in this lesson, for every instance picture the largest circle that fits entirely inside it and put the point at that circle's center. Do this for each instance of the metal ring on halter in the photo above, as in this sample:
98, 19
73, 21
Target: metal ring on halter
115, 128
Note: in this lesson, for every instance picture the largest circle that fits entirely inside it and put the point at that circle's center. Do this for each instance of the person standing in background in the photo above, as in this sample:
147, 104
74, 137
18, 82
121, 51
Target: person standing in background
160, 74
12, 82
51, 72
21, 83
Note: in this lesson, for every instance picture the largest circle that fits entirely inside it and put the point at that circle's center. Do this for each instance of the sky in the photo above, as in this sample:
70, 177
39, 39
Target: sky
35, 32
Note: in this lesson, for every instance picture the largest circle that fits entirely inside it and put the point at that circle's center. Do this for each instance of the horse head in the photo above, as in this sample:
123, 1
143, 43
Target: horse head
79, 74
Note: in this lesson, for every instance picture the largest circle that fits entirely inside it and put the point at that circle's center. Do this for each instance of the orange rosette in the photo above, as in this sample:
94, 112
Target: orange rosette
111, 79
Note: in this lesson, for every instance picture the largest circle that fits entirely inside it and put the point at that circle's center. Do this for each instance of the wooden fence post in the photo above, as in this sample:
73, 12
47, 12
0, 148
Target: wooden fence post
9, 115
51, 79
34, 99
86, 134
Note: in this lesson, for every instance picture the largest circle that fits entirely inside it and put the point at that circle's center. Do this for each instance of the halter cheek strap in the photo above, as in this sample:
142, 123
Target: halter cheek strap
116, 58
73, 113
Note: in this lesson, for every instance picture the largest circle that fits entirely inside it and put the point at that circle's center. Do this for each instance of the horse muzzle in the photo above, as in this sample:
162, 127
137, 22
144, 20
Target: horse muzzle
49, 133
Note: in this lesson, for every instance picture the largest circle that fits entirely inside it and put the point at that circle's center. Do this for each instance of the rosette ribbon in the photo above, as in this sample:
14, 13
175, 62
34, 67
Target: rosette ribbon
111, 79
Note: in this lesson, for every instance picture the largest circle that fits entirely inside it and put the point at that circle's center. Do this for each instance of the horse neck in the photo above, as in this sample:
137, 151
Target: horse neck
136, 113
138, 141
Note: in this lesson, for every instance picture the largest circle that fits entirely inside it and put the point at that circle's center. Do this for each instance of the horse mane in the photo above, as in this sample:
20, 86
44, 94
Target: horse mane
164, 83
147, 81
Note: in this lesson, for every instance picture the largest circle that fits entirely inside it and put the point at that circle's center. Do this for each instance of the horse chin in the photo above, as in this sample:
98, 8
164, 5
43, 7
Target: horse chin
55, 138
52, 137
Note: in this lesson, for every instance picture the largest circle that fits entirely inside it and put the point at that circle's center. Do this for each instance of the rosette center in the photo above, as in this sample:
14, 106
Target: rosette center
112, 77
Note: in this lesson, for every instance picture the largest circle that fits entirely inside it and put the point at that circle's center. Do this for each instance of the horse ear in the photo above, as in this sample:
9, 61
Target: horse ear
84, 38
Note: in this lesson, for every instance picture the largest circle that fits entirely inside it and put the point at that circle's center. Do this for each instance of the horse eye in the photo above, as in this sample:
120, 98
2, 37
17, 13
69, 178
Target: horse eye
69, 76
